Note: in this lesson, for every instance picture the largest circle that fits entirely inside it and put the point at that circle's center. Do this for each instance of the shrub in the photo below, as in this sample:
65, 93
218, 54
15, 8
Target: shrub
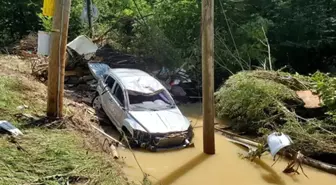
249, 99
260, 102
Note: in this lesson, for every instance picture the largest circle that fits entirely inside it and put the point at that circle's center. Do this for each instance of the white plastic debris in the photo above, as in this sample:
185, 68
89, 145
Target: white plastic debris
10, 128
277, 141
43, 43
22, 107
83, 46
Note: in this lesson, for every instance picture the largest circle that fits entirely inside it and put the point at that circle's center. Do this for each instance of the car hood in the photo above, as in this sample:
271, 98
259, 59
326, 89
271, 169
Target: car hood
163, 121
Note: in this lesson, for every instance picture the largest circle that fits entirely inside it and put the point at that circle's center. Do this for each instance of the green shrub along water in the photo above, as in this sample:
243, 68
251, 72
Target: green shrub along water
259, 102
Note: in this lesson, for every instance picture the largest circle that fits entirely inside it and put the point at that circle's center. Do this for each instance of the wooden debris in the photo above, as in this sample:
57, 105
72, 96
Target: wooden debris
310, 100
296, 161
108, 136
114, 152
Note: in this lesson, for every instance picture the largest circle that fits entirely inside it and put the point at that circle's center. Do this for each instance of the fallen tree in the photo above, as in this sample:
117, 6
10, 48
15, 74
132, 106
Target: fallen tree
260, 102
253, 146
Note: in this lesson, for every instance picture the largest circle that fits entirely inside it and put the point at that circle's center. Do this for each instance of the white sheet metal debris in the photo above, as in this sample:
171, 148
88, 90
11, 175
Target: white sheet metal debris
83, 46
10, 128
277, 141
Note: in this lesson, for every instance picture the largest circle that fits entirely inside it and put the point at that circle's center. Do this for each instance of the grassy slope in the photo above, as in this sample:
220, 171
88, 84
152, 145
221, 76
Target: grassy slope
49, 152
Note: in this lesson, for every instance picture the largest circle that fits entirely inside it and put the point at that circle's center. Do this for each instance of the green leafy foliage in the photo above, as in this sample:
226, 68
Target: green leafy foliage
326, 88
46, 22
260, 102
250, 100
17, 19
300, 34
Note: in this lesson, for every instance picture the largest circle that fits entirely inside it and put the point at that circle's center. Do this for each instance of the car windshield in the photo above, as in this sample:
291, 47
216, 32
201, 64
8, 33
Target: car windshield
154, 102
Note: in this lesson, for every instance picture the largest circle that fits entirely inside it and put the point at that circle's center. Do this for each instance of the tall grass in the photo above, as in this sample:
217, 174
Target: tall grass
49, 156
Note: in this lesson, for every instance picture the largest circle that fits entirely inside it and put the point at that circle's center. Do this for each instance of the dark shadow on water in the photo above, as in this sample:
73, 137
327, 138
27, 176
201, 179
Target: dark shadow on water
271, 176
183, 169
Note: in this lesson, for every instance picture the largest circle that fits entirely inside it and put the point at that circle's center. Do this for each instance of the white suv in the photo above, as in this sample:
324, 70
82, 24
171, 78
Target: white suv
140, 107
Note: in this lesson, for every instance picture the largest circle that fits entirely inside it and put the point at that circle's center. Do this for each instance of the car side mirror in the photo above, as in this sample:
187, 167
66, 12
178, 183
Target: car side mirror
105, 89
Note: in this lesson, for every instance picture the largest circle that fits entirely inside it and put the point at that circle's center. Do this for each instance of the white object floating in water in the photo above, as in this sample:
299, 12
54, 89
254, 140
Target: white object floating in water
277, 141
10, 128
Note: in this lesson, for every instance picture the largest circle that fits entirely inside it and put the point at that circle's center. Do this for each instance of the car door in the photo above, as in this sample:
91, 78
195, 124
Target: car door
107, 98
101, 84
119, 104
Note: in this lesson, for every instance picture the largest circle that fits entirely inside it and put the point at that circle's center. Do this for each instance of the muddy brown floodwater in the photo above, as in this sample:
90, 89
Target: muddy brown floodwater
191, 167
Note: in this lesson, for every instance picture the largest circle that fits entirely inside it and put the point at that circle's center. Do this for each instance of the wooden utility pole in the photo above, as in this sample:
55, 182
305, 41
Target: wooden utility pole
57, 58
208, 76
89, 14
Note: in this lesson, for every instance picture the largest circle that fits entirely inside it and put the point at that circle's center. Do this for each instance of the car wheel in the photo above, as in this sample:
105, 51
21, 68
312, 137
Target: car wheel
96, 103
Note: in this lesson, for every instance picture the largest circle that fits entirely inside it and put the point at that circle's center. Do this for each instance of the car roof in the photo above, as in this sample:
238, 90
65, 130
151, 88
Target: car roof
137, 80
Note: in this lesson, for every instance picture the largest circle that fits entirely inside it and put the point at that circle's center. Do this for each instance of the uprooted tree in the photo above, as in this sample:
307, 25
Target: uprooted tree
260, 102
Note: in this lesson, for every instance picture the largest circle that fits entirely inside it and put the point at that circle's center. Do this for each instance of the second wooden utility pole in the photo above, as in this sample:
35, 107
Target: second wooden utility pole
208, 76
89, 14
57, 58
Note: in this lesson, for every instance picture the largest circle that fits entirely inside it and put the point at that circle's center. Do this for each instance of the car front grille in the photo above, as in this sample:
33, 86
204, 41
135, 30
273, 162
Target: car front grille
165, 140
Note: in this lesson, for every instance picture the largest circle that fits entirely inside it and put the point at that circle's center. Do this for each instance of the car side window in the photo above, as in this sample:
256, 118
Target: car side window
109, 82
119, 95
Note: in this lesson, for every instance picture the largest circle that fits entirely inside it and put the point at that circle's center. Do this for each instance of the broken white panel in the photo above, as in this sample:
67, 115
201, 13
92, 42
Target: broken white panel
10, 128
277, 141
83, 46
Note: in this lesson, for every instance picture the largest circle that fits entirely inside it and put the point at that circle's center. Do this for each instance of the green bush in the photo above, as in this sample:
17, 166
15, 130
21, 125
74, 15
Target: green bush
260, 102
326, 87
249, 99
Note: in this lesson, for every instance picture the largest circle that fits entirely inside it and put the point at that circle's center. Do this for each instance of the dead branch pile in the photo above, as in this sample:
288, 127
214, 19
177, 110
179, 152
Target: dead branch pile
76, 65
26, 47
